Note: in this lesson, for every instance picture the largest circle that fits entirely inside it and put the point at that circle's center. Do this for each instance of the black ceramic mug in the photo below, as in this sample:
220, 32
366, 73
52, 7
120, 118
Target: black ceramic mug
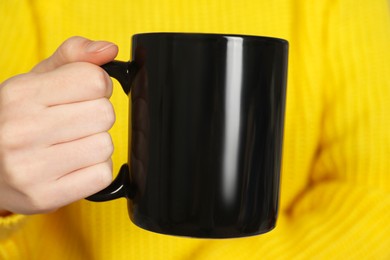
206, 133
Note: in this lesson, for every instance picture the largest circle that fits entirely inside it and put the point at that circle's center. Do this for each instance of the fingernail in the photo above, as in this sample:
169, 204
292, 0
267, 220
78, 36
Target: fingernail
98, 46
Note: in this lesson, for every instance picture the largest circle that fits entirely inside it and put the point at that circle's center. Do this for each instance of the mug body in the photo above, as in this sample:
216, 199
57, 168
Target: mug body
207, 114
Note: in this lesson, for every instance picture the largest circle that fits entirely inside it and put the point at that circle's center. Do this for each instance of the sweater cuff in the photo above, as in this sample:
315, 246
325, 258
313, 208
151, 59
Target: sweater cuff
9, 224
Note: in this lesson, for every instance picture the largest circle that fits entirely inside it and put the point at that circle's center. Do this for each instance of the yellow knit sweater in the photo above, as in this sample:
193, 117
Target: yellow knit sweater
335, 189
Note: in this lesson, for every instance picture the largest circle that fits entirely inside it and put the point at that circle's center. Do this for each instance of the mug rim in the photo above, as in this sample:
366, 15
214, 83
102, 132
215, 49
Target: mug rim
213, 35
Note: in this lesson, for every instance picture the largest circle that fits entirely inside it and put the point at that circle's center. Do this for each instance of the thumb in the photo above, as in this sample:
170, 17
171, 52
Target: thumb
79, 49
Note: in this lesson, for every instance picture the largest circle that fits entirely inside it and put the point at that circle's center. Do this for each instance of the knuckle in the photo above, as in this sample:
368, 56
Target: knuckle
16, 174
6, 134
103, 175
67, 49
17, 89
105, 144
14, 134
10, 136
106, 111
18, 118
101, 82
38, 202
9, 177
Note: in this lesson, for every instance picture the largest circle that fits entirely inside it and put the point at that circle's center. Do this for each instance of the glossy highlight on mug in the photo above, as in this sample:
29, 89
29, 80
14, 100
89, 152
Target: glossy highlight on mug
234, 81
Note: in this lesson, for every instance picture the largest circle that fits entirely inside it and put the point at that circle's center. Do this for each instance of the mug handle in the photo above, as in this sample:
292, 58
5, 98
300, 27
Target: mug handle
125, 73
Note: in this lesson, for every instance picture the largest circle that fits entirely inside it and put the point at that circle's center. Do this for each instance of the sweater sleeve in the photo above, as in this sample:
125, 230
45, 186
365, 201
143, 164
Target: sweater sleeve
18, 54
344, 211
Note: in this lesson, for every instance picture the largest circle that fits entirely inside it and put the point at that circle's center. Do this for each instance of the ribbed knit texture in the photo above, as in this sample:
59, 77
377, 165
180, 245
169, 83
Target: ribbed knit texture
335, 194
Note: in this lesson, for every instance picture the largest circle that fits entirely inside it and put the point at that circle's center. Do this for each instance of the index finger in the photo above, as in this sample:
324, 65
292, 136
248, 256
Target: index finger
74, 82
